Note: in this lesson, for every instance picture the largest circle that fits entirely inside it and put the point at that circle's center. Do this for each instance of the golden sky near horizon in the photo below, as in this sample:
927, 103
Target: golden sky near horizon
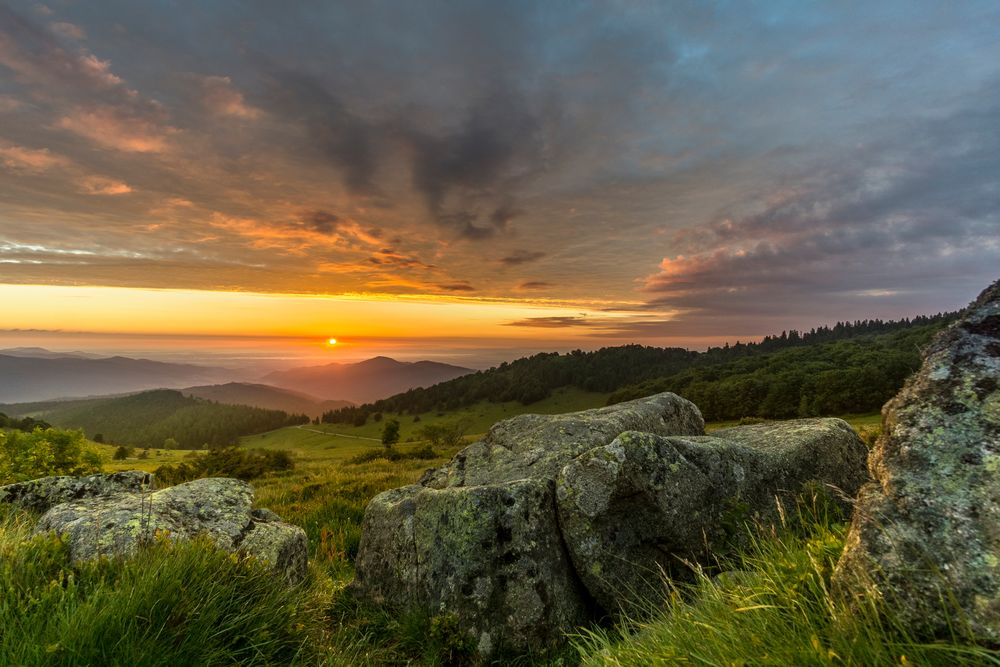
532, 175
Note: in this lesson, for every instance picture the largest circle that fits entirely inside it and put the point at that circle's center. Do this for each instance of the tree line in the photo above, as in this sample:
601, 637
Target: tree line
167, 418
721, 377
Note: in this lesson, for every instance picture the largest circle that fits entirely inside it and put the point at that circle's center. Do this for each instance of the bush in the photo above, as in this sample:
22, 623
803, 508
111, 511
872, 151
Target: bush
226, 462
43, 453
122, 453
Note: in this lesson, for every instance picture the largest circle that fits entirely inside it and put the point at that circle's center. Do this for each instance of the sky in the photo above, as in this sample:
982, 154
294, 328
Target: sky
473, 179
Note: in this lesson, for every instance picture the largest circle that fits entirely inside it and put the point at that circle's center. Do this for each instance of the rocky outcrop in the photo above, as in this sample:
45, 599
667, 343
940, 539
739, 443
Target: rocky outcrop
647, 506
538, 446
552, 520
41, 494
491, 554
114, 515
925, 535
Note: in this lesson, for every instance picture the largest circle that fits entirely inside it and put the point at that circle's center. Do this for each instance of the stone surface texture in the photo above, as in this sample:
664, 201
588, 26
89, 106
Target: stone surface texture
114, 515
41, 494
925, 535
551, 521
646, 506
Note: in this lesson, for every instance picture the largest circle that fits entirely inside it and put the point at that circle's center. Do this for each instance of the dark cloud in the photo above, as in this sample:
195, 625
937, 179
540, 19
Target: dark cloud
519, 257
461, 286
321, 221
781, 167
555, 322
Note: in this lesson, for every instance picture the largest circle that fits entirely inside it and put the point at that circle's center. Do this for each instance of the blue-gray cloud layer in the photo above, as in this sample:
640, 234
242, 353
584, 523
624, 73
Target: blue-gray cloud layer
743, 166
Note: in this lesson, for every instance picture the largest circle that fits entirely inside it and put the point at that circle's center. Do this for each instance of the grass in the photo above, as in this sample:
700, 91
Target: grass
773, 606
190, 604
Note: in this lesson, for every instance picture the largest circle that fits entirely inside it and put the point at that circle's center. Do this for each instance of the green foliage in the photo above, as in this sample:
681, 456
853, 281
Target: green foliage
635, 371
152, 418
390, 432
27, 424
173, 604
42, 453
226, 462
445, 434
122, 453
851, 376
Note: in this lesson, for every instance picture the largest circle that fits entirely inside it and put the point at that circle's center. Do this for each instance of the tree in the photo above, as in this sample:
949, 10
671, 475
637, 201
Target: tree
445, 434
170, 443
99, 438
390, 432
121, 453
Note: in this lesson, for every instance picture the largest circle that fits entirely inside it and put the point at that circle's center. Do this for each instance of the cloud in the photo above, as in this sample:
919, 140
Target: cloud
68, 30
222, 99
100, 185
528, 285
391, 257
519, 257
21, 158
916, 212
554, 322
461, 286
36, 57
118, 129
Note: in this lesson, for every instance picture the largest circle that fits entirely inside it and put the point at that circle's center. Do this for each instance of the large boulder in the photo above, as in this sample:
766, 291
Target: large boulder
645, 507
491, 555
480, 538
41, 494
925, 536
116, 524
538, 446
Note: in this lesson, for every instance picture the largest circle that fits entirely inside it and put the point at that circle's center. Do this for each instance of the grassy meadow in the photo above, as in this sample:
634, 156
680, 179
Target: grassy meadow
189, 604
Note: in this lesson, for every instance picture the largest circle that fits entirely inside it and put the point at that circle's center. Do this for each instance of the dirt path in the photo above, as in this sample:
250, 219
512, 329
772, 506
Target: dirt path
341, 435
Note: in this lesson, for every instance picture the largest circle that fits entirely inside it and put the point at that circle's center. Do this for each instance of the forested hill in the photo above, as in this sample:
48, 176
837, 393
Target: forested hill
153, 418
887, 349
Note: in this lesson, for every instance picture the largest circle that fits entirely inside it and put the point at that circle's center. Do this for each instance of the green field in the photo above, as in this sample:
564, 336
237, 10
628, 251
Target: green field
326, 494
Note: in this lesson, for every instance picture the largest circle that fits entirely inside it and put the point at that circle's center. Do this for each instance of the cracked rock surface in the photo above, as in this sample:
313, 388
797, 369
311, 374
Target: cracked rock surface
121, 519
925, 535
551, 520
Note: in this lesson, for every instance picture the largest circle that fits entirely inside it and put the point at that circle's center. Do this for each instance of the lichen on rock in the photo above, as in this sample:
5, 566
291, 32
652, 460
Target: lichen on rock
925, 535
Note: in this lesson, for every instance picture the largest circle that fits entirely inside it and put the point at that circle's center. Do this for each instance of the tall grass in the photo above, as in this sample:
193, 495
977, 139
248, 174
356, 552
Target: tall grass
173, 604
772, 605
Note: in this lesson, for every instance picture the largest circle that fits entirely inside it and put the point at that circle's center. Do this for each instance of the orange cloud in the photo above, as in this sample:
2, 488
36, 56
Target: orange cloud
222, 99
100, 185
22, 158
113, 129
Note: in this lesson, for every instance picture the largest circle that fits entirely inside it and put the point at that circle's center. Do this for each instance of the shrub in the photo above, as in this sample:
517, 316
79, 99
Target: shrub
122, 453
226, 462
42, 453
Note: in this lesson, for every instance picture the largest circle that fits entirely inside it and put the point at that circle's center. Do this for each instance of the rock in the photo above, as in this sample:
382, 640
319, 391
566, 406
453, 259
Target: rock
492, 555
41, 494
925, 536
116, 525
480, 538
646, 506
538, 446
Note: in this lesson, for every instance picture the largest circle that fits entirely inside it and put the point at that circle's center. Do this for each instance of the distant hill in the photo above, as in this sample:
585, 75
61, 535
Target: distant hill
849, 367
148, 418
265, 396
42, 353
365, 381
35, 378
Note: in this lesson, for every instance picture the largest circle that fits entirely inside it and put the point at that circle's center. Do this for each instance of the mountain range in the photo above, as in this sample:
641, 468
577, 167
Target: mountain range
265, 396
365, 381
34, 374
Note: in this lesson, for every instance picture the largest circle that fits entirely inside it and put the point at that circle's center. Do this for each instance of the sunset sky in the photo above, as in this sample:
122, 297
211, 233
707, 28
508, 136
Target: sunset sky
470, 180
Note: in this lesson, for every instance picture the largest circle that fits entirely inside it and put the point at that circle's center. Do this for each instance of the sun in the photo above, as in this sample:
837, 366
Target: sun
331, 341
